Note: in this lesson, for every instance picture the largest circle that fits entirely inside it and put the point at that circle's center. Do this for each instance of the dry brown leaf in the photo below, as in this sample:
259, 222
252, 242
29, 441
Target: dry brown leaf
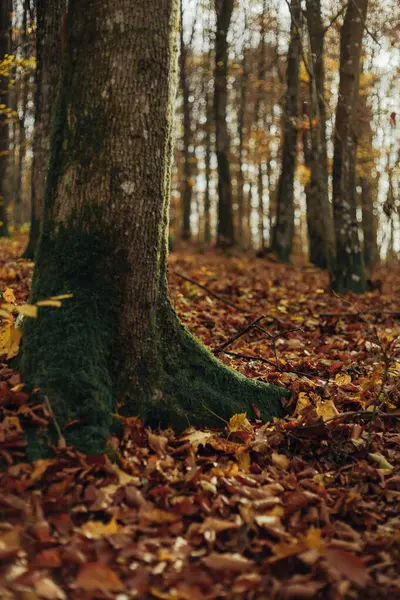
98, 576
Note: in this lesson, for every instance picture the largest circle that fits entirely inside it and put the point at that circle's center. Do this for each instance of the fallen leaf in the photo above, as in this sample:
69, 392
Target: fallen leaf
227, 562
348, 565
98, 576
327, 410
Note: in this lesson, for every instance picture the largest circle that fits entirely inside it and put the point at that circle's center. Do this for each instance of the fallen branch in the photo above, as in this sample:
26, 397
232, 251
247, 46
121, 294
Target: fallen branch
239, 335
213, 294
361, 313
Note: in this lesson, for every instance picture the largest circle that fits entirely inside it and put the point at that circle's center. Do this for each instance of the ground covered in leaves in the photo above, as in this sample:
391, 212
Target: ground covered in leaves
306, 507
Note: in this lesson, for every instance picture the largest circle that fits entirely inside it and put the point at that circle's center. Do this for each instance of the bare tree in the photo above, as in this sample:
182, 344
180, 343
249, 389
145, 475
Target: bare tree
349, 269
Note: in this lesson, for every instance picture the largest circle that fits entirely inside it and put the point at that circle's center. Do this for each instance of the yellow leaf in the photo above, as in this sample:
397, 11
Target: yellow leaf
280, 460
10, 338
62, 297
97, 529
198, 438
8, 307
381, 460
55, 303
163, 595
244, 461
8, 295
28, 310
239, 422
327, 410
314, 540
302, 402
342, 379
320, 291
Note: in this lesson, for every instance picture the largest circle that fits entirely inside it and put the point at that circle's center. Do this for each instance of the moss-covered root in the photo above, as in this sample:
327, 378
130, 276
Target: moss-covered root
199, 390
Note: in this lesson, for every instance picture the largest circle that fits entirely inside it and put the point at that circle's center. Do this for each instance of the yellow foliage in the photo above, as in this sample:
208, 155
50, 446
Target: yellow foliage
10, 338
342, 379
327, 410
239, 422
303, 174
28, 310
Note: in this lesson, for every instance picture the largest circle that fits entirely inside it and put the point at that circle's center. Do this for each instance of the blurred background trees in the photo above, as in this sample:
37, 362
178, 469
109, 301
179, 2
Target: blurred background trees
287, 131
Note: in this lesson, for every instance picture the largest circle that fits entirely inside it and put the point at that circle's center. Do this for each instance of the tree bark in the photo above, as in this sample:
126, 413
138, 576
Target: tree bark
225, 229
187, 183
104, 240
49, 29
319, 211
369, 225
282, 239
349, 273
5, 32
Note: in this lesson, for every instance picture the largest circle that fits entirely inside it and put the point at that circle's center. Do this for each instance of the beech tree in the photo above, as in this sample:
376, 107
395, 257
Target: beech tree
319, 212
104, 240
187, 182
283, 232
48, 68
5, 31
225, 229
349, 275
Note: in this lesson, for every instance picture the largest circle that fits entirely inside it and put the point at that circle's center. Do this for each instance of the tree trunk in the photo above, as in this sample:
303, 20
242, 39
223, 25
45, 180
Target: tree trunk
225, 230
241, 152
187, 183
104, 240
349, 273
207, 195
49, 29
5, 32
319, 211
369, 225
282, 239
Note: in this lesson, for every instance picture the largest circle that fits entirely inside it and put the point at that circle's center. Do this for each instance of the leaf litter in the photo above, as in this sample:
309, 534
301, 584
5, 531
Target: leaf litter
303, 507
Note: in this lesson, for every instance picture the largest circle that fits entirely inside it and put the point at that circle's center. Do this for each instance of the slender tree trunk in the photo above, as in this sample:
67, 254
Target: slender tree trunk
319, 211
260, 116
23, 104
283, 232
5, 32
49, 30
241, 152
105, 240
370, 248
349, 271
225, 233
187, 183
207, 196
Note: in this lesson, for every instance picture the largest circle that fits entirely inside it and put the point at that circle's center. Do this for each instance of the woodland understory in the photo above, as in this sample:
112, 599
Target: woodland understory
304, 507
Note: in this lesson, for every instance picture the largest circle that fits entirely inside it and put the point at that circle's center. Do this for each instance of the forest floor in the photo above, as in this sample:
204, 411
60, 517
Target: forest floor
305, 507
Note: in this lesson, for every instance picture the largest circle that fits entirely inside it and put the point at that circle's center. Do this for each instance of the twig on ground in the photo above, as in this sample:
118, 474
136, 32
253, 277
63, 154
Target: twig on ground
61, 440
394, 313
213, 294
239, 335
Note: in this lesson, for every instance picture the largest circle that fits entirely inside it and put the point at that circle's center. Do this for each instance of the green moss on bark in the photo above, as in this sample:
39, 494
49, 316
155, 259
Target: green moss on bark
196, 389
66, 351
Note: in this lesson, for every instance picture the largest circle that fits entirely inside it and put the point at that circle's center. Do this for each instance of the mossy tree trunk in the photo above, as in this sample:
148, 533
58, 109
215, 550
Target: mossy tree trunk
5, 45
225, 228
104, 239
319, 211
283, 232
349, 273
49, 29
